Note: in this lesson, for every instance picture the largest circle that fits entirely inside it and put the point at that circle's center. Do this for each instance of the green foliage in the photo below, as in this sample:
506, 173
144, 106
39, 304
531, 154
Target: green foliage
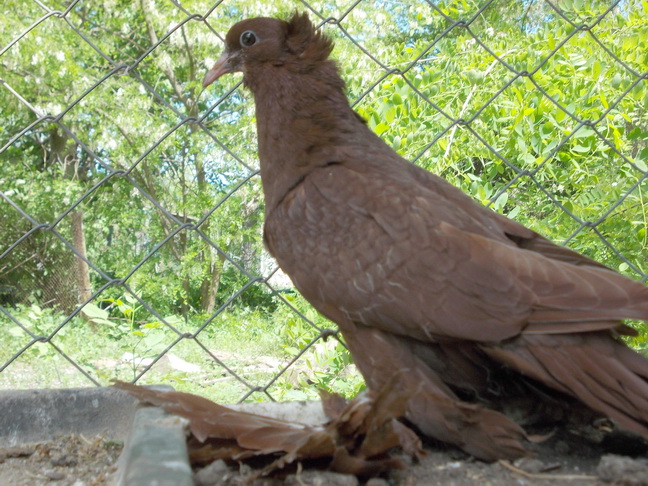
125, 340
171, 206
326, 365
639, 342
578, 173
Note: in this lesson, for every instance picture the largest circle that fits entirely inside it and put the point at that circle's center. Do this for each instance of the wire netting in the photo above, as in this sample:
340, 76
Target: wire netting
131, 207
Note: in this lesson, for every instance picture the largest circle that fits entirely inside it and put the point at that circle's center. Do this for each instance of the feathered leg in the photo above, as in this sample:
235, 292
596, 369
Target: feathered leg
432, 407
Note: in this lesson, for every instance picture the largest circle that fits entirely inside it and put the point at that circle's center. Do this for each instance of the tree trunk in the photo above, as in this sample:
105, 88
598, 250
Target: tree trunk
209, 287
82, 269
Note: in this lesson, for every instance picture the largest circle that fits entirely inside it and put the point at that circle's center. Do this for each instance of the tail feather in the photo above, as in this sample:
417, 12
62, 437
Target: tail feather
635, 362
595, 368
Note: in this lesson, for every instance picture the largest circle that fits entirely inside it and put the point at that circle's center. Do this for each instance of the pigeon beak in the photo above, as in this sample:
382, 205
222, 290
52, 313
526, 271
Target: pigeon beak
224, 65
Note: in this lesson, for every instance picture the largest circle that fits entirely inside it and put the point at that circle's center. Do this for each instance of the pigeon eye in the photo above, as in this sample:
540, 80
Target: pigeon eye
248, 38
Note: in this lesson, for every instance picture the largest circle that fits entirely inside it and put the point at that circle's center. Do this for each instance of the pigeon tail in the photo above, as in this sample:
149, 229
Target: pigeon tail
601, 372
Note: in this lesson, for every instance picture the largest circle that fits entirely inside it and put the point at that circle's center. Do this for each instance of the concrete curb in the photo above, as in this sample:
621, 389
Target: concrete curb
30, 416
155, 452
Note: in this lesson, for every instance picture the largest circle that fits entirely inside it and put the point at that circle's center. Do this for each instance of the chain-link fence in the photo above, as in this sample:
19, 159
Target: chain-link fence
131, 211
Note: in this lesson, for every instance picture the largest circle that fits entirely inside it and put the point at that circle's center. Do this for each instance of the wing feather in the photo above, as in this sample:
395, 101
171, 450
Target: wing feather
406, 262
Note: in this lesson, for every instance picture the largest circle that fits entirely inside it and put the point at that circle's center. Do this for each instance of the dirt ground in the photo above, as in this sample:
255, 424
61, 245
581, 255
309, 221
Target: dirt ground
68, 461
568, 458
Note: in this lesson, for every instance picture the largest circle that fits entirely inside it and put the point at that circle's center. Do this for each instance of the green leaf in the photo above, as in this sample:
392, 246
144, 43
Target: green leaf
596, 69
501, 201
93, 312
616, 81
604, 100
390, 114
641, 165
641, 159
381, 128
153, 339
580, 149
474, 76
583, 132
528, 158
15, 331
568, 205
514, 212
634, 134
131, 299
521, 144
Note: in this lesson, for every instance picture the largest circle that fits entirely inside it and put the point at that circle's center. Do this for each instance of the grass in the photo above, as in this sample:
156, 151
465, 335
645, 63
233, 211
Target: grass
121, 343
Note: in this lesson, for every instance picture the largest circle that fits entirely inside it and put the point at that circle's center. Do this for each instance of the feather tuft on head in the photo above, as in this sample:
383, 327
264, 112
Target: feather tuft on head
304, 41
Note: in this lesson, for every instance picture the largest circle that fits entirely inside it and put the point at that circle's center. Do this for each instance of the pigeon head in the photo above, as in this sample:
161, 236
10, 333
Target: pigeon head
263, 41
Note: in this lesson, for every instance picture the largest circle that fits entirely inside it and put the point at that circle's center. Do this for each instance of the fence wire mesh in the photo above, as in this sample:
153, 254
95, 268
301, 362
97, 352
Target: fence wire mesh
130, 207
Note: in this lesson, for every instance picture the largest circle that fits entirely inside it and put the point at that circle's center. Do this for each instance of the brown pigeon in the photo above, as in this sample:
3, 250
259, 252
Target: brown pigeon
416, 274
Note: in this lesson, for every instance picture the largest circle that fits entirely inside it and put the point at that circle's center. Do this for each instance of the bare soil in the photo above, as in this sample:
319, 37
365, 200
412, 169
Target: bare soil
69, 461
569, 457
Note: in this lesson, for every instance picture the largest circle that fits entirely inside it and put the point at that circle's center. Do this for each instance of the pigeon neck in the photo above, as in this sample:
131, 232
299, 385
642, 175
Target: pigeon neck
302, 119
